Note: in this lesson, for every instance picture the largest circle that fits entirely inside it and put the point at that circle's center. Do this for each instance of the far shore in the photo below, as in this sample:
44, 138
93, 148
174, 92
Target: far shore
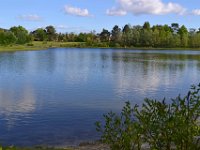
37, 45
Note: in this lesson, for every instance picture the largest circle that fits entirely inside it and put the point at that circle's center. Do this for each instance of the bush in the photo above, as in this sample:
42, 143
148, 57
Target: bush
162, 126
30, 44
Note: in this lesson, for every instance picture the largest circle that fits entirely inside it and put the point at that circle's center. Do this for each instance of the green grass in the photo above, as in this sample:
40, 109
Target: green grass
37, 45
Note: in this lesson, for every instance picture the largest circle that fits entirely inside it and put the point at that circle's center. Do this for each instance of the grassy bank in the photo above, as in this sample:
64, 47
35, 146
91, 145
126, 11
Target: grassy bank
38, 45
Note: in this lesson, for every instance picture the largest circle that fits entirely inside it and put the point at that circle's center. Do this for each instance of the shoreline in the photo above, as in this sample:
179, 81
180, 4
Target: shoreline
36, 46
96, 145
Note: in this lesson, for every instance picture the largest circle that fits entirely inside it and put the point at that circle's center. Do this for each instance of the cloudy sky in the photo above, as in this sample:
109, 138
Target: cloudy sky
87, 15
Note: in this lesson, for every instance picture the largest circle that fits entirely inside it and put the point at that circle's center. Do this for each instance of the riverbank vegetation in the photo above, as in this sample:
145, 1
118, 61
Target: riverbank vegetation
146, 36
158, 124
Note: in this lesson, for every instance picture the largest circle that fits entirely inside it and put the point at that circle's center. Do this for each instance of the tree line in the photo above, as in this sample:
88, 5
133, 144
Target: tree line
158, 36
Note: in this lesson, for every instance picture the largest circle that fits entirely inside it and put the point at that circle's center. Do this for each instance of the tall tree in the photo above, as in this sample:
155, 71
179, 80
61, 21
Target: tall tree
51, 33
126, 35
146, 38
147, 26
135, 35
116, 35
104, 36
183, 32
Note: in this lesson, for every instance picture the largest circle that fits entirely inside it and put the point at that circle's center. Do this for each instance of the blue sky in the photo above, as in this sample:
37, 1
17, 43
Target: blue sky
88, 15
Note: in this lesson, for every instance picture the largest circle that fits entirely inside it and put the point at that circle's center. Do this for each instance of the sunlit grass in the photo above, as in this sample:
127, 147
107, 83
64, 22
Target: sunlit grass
38, 45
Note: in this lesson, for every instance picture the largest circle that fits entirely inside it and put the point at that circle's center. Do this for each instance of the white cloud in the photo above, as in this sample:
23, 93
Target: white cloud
62, 27
196, 12
139, 7
30, 17
76, 11
116, 12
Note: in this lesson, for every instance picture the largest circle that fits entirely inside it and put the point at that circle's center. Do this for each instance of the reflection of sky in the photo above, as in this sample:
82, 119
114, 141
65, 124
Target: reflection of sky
14, 105
63, 88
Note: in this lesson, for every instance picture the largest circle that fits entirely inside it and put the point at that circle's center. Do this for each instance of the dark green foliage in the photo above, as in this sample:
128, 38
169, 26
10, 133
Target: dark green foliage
147, 26
51, 33
104, 36
39, 34
162, 126
116, 35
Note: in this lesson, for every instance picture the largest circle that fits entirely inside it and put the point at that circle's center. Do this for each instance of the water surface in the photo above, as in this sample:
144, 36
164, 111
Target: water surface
53, 97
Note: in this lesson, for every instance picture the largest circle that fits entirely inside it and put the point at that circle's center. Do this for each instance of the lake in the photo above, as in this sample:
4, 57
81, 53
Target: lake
53, 97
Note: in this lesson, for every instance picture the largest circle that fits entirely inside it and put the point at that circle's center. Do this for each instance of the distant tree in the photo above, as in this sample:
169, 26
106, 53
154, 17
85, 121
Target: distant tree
7, 37
135, 36
194, 40
126, 29
39, 34
104, 36
175, 41
156, 37
21, 34
167, 28
61, 37
51, 33
92, 38
116, 35
70, 37
147, 26
183, 32
82, 37
146, 38
126, 35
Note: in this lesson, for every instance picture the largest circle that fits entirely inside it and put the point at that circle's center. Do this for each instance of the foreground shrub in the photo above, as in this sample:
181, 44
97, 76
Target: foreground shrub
160, 125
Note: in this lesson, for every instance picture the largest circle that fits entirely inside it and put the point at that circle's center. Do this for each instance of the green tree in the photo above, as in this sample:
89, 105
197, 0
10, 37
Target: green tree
135, 35
21, 34
82, 37
7, 37
115, 35
51, 33
183, 32
39, 34
70, 37
126, 35
104, 36
175, 41
146, 38
61, 37
147, 26
194, 40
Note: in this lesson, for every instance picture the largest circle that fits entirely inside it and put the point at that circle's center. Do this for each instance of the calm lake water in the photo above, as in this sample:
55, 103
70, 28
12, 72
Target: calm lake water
53, 97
